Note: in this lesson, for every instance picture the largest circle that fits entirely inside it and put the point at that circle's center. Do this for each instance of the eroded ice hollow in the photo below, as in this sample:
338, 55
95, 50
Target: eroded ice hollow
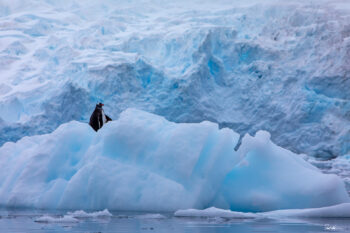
144, 162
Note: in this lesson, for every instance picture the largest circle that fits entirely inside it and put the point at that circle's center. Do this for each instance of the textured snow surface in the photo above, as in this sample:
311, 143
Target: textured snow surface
280, 66
336, 211
143, 162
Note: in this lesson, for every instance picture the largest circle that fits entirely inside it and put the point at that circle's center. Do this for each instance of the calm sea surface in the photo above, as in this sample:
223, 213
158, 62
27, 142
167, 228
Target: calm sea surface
24, 221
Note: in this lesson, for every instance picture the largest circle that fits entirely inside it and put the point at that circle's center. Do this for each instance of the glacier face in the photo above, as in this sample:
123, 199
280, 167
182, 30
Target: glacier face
271, 65
144, 162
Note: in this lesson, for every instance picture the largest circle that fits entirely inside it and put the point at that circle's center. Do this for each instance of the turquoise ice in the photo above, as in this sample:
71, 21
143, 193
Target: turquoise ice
144, 162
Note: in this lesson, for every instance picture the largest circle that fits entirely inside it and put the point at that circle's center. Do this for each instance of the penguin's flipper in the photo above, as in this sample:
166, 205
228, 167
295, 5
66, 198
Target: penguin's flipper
108, 118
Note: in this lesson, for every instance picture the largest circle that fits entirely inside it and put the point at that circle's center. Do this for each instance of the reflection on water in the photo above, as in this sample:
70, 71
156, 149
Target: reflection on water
24, 221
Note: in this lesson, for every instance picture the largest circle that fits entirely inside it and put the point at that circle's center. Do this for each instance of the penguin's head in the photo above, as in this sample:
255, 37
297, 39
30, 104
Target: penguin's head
100, 105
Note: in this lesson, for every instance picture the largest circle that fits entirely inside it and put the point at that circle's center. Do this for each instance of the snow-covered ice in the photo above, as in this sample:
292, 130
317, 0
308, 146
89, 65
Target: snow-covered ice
213, 212
82, 214
50, 219
143, 162
336, 211
73, 217
339, 166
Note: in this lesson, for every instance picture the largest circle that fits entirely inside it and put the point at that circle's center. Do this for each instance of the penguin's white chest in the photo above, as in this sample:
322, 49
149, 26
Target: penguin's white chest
104, 118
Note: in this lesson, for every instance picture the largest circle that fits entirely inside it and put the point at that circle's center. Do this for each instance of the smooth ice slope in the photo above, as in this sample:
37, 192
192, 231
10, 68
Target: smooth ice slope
144, 162
213, 212
280, 66
269, 175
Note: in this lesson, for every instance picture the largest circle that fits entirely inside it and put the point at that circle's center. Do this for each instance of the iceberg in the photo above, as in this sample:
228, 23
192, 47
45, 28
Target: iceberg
50, 219
141, 161
336, 211
82, 214
74, 217
213, 212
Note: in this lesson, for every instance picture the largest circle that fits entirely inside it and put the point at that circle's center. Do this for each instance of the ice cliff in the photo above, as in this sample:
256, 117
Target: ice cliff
280, 66
141, 161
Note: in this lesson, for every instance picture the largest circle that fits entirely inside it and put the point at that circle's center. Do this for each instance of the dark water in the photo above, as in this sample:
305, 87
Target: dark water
24, 221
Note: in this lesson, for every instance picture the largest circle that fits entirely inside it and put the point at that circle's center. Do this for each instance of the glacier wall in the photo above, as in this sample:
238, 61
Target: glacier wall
144, 162
272, 65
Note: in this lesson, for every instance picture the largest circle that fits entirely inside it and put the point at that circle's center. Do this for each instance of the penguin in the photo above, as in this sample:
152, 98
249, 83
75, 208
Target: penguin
98, 117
